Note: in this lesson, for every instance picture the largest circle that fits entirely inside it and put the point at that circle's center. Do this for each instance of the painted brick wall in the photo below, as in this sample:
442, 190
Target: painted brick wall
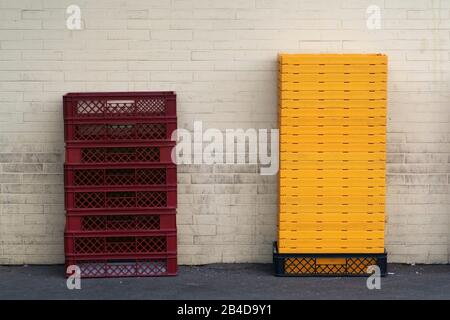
220, 58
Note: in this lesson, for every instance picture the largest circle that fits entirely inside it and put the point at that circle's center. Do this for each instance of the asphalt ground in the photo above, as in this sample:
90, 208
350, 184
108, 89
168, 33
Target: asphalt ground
226, 281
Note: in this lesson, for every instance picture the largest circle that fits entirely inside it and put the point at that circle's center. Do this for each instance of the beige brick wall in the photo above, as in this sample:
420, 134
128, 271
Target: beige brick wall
220, 58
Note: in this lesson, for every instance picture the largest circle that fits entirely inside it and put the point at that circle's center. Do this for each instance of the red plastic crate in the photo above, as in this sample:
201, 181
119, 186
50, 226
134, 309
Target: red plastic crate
107, 245
121, 222
120, 183
119, 211
119, 176
129, 154
139, 198
125, 267
105, 105
119, 130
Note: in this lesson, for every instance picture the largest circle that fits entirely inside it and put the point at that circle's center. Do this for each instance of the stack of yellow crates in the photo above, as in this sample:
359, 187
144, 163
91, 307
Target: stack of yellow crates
332, 153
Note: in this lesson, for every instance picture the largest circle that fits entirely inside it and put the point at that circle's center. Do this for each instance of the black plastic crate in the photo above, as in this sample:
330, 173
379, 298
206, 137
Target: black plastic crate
327, 265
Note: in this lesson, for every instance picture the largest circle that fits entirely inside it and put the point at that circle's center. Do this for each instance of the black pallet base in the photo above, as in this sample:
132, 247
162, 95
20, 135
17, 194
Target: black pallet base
327, 265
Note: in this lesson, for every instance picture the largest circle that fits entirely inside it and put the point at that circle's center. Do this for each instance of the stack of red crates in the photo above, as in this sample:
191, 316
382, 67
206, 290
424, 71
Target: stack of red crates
120, 183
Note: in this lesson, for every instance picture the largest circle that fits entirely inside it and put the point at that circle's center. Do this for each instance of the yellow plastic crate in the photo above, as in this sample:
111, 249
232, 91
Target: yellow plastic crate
330, 225
333, 59
331, 208
333, 86
332, 138
332, 153
304, 113
330, 69
305, 174
333, 156
332, 77
336, 200
354, 165
336, 129
331, 121
327, 248
332, 146
332, 104
330, 94
334, 191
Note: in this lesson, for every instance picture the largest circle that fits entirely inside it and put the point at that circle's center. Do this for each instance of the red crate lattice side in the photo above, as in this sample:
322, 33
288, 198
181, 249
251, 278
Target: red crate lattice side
152, 131
88, 178
142, 107
151, 176
120, 154
89, 200
98, 132
119, 108
155, 107
98, 177
119, 177
112, 268
87, 107
151, 199
122, 222
120, 199
102, 245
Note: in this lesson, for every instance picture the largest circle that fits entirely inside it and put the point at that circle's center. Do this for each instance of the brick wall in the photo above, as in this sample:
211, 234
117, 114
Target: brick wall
220, 58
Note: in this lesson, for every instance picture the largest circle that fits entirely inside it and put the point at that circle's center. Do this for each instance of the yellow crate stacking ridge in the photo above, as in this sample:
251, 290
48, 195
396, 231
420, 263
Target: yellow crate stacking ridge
332, 114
